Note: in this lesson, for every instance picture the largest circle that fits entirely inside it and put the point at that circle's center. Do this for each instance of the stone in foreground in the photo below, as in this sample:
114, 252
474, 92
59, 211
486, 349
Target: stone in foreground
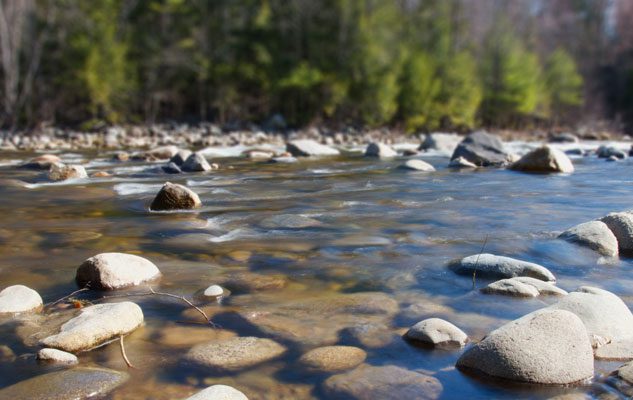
76, 384
19, 299
523, 286
308, 148
544, 159
417, 165
234, 354
593, 234
545, 347
218, 392
621, 224
57, 356
386, 383
626, 372
333, 358
173, 196
437, 332
110, 271
380, 150
95, 326
618, 350
62, 172
482, 149
490, 265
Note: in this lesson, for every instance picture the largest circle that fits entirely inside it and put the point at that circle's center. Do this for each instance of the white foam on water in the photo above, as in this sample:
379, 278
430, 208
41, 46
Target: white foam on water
239, 233
128, 189
67, 182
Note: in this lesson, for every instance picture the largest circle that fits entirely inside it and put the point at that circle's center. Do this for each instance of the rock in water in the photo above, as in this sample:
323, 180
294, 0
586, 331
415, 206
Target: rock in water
621, 224
57, 356
565, 137
386, 383
234, 354
180, 157
444, 142
18, 299
594, 234
461, 162
610, 151
490, 265
162, 153
307, 148
109, 271
523, 286
379, 150
61, 172
75, 383
437, 332
175, 197
544, 159
43, 162
417, 165
96, 325
546, 347
333, 358
196, 163
171, 168
218, 392
482, 149
289, 221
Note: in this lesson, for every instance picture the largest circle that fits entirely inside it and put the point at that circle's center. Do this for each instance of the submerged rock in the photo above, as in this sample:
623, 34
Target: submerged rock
307, 148
218, 392
162, 153
380, 150
417, 165
249, 282
545, 347
62, 172
293, 221
594, 234
490, 265
75, 383
95, 326
333, 358
234, 354
283, 160
173, 196
544, 159
109, 271
482, 149
57, 356
196, 163
621, 224
19, 299
523, 286
437, 332
43, 162
386, 382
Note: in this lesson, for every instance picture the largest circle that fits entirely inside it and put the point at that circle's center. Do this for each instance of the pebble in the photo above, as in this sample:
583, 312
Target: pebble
57, 356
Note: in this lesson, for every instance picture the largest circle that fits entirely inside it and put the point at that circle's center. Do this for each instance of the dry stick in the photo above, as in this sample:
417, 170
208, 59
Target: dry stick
66, 297
477, 262
127, 361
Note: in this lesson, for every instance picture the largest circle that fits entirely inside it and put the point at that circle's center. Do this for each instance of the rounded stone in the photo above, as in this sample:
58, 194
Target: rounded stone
544, 159
57, 356
218, 392
213, 291
234, 354
307, 148
417, 165
594, 234
19, 299
490, 265
380, 150
523, 286
333, 358
437, 332
109, 271
196, 163
62, 172
42, 162
175, 197
545, 347
621, 224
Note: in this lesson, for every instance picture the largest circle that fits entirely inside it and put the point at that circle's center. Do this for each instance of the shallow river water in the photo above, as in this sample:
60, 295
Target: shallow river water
381, 231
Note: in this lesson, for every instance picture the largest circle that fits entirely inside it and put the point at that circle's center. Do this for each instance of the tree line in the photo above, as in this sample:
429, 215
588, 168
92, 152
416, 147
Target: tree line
415, 64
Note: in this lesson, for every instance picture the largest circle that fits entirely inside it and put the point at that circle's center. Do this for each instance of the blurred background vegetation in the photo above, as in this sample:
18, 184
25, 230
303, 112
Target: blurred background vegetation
412, 64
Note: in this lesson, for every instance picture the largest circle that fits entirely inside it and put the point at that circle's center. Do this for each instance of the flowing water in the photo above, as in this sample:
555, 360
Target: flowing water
380, 230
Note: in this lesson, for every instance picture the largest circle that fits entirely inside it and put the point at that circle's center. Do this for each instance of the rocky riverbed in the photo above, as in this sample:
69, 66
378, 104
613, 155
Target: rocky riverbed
174, 266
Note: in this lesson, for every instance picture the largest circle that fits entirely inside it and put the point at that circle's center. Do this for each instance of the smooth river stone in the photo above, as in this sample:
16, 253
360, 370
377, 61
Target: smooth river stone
57, 356
490, 265
333, 358
234, 354
18, 299
417, 165
621, 224
307, 148
173, 196
95, 326
544, 159
482, 149
109, 271
75, 384
379, 150
593, 234
523, 286
218, 392
437, 332
62, 172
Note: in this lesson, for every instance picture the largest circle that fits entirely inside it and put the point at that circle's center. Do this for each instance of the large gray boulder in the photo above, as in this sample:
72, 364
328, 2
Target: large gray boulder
196, 163
307, 148
482, 149
234, 354
523, 286
593, 234
545, 347
380, 150
386, 383
75, 383
437, 332
544, 159
218, 392
621, 224
173, 196
109, 271
95, 326
443, 142
490, 265
19, 299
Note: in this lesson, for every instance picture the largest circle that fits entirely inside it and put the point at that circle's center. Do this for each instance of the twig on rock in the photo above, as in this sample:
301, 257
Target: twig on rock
477, 262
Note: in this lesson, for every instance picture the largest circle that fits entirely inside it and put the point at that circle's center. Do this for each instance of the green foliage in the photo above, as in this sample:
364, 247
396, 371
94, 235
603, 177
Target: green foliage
420, 88
564, 83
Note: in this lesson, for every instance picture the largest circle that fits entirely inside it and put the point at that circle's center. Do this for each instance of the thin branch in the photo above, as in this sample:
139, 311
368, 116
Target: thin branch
477, 262
127, 360
66, 297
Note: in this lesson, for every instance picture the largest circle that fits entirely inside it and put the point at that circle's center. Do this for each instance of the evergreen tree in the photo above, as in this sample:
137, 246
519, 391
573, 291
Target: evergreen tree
564, 83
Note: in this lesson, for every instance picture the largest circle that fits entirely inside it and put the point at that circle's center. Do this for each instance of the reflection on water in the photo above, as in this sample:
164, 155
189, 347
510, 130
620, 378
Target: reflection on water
372, 264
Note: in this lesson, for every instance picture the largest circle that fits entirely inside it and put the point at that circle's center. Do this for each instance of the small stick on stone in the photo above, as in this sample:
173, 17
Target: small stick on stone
127, 361
477, 262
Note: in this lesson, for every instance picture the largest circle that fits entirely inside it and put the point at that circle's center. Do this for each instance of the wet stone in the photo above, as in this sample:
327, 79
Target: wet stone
173, 196
218, 392
594, 234
234, 354
249, 282
289, 221
490, 265
437, 332
333, 358
109, 271
19, 299
62, 172
57, 356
